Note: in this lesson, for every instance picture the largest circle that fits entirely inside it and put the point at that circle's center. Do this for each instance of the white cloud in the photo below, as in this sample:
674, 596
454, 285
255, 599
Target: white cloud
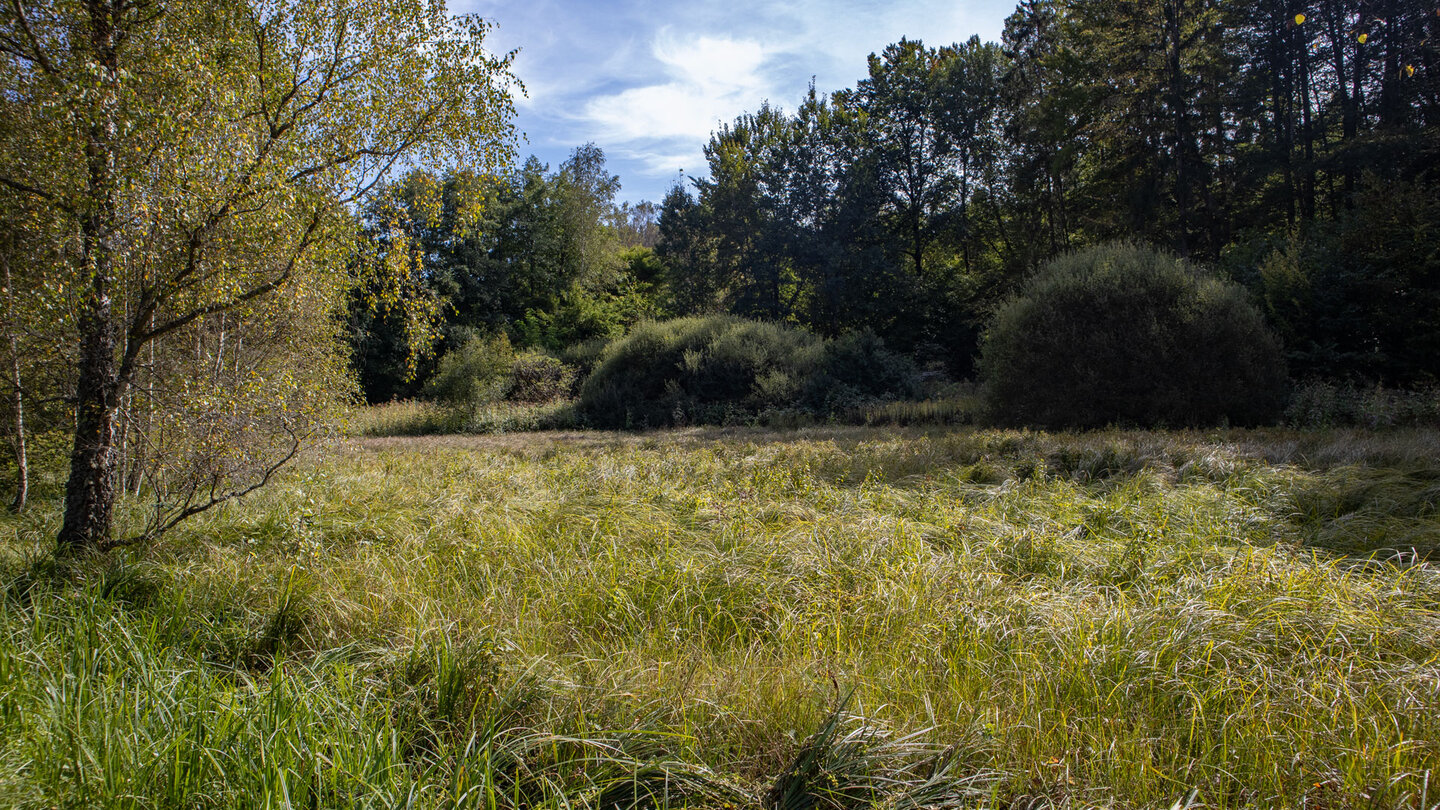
710, 68
649, 82
712, 63
708, 80
663, 163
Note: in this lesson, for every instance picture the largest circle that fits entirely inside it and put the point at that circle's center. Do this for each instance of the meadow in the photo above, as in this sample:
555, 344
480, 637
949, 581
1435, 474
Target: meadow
827, 617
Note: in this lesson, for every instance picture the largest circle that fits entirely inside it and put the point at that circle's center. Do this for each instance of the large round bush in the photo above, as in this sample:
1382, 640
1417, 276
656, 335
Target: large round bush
722, 369
1126, 334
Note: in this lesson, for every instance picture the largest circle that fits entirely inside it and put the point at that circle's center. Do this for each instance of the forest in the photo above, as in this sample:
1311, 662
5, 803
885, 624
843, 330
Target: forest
1290, 152
1043, 423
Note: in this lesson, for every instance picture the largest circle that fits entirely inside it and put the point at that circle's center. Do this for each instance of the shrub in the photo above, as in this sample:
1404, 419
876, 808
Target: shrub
857, 370
1131, 335
486, 369
1322, 404
585, 355
477, 370
536, 378
723, 369
695, 370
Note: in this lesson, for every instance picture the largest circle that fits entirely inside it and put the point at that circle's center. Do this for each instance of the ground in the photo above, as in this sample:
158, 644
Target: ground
824, 617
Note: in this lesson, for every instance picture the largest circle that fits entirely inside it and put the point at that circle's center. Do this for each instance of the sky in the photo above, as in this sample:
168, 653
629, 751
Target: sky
648, 81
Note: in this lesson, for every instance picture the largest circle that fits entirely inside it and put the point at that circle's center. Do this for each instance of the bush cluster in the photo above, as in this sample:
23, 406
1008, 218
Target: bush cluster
1126, 334
1322, 404
1119, 334
488, 369
723, 369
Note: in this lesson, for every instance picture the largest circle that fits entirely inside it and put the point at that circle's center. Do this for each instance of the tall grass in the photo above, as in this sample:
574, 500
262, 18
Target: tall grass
420, 418
830, 617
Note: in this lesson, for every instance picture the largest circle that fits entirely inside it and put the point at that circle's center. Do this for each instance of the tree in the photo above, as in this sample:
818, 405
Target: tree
35, 323
688, 252
586, 192
900, 98
741, 200
203, 155
1045, 120
637, 225
968, 107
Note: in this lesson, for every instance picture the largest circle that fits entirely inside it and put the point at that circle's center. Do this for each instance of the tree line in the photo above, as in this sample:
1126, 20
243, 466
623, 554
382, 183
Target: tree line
1290, 146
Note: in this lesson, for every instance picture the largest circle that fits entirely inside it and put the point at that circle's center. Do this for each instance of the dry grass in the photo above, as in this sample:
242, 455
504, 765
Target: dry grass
1109, 619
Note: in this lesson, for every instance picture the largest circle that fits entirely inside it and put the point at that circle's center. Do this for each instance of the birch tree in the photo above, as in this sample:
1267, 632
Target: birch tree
203, 158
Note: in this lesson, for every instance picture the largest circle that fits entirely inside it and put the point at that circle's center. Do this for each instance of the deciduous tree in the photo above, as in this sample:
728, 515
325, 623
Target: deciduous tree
203, 156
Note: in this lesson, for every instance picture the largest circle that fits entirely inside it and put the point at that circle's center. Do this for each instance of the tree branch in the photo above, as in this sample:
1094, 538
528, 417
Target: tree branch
140, 336
39, 57
26, 188
215, 498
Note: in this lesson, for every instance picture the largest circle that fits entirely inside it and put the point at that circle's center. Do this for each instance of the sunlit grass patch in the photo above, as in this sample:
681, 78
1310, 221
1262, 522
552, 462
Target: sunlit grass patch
712, 616
421, 418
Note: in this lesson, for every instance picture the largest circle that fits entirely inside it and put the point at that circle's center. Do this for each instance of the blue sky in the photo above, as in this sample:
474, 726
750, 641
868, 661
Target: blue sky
649, 81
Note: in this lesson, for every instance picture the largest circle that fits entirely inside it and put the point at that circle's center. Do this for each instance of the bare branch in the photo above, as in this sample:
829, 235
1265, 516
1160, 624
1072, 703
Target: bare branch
39, 56
26, 188
191, 507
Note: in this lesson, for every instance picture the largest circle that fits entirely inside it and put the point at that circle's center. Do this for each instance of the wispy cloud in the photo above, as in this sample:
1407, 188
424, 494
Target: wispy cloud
704, 80
649, 81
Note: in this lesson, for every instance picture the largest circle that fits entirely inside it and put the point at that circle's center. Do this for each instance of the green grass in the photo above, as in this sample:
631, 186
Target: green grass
828, 617
960, 409
420, 418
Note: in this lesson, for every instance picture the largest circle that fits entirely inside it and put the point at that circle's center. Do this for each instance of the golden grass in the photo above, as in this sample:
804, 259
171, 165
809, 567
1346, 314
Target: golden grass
1106, 619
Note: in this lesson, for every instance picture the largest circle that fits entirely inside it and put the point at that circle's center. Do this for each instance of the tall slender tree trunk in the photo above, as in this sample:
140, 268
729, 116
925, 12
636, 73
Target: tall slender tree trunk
1179, 110
965, 213
917, 239
1393, 110
22, 464
17, 395
1307, 124
90, 492
1349, 98
94, 459
1281, 47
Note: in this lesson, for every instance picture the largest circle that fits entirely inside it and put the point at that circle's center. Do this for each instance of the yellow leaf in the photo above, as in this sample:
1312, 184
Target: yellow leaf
1361, 39
1299, 19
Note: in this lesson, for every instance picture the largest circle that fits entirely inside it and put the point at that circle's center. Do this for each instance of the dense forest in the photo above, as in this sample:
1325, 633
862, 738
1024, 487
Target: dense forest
1290, 147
